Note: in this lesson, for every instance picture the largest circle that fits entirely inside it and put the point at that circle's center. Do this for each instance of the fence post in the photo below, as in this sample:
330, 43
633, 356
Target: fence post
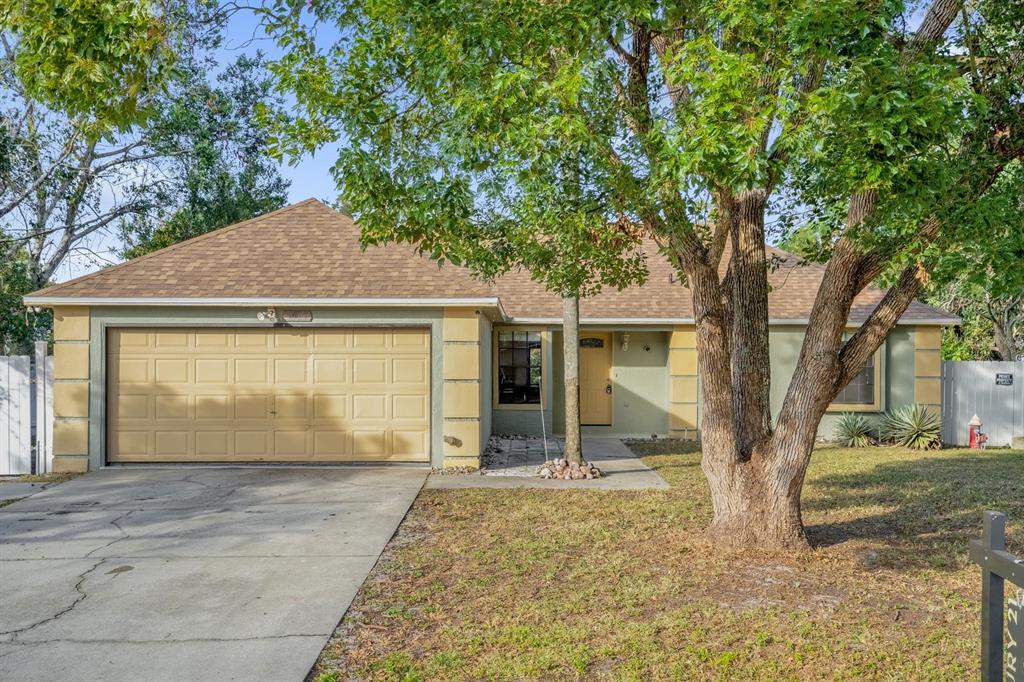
43, 417
993, 537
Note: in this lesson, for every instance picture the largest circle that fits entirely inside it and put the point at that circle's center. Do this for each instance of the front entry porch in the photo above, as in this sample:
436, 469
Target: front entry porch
511, 461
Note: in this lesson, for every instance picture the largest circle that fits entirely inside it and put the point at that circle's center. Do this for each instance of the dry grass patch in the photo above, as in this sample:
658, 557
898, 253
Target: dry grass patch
574, 584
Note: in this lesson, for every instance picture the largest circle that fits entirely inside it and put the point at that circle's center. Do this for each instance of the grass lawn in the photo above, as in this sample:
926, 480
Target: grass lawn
553, 584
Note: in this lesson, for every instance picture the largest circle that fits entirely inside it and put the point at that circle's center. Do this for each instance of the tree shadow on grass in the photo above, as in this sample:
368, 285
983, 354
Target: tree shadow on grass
924, 509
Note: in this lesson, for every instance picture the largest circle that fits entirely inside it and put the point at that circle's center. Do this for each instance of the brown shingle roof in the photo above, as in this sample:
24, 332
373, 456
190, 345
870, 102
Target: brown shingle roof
309, 251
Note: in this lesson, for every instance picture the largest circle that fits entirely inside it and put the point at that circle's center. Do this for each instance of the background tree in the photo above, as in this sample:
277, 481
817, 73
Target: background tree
981, 278
71, 180
218, 170
688, 120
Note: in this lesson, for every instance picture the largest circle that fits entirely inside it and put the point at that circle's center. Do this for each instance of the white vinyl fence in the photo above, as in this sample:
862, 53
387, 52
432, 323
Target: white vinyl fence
992, 390
26, 413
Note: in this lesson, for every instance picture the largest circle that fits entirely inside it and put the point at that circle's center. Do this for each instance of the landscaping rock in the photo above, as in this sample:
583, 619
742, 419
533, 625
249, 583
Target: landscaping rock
563, 470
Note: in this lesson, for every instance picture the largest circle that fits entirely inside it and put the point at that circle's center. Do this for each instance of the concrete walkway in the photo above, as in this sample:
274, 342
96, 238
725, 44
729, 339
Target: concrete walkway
190, 573
515, 464
16, 490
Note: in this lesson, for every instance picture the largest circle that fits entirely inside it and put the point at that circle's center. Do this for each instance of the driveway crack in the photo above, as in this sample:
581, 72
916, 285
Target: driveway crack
63, 612
116, 523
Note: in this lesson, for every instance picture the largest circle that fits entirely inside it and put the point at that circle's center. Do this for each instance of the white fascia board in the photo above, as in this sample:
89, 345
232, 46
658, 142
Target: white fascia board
603, 320
902, 322
47, 301
686, 320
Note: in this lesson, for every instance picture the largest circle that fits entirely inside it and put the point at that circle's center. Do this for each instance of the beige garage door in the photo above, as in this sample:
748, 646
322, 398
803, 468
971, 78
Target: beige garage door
244, 395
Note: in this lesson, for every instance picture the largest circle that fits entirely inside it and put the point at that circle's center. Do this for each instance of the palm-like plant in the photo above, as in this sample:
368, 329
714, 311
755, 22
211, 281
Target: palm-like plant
853, 431
912, 426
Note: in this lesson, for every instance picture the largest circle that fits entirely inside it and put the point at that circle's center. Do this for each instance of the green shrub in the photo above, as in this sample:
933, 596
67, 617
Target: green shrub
853, 431
912, 426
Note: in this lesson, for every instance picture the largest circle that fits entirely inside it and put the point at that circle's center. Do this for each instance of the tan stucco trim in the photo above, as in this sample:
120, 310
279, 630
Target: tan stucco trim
461, 401
928, 367
683, 383
71, 389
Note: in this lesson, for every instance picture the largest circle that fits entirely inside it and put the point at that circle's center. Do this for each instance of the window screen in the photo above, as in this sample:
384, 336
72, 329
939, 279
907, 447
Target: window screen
519, 368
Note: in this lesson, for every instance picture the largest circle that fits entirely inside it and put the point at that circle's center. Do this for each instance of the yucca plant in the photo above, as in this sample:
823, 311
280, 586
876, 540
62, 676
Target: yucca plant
912, 426
853, 431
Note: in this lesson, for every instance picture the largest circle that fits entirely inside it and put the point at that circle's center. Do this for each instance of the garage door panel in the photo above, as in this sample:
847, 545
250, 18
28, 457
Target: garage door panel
410, 443
290, 370
212, 370
251, 371
171, 407
330, 370
406, 407
409, 370
369, 371
268, 395
331, 444
213, 444
133, 406
211, 407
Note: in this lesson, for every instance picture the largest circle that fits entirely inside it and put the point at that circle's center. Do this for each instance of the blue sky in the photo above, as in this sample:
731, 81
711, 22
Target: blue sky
311, 176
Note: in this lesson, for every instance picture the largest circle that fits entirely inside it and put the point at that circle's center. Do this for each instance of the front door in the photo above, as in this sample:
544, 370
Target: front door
596, 379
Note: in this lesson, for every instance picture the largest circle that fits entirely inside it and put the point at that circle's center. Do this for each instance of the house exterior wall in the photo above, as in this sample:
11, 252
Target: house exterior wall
655, 390
898, 380
658, 392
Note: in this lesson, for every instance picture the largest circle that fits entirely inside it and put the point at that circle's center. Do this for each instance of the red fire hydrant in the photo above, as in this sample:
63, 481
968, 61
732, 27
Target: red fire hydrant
976, 439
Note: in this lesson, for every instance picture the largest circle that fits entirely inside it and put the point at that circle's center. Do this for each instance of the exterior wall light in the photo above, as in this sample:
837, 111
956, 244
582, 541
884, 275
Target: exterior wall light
268, 315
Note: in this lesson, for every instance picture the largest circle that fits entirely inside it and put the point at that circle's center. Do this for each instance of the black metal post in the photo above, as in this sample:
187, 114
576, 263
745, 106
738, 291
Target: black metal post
993, 538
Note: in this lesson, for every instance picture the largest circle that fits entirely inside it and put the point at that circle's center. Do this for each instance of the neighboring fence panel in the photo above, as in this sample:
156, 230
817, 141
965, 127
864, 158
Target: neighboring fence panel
15, 415
26, 413
992, 390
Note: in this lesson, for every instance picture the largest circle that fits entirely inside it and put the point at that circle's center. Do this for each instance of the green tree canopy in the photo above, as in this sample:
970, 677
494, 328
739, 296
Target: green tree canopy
101, 59
474, 127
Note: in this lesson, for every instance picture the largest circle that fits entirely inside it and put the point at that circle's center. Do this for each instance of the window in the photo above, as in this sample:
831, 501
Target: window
861, 389
863, 393
519, 367
591, 342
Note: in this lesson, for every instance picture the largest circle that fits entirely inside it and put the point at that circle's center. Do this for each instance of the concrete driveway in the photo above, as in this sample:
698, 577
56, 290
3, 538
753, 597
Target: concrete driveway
190, 573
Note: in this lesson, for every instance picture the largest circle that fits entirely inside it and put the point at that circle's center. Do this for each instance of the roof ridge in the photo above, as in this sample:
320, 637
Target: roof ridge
173, 247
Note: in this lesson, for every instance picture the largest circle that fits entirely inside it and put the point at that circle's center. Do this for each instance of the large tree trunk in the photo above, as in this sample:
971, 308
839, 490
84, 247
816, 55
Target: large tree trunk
571, 354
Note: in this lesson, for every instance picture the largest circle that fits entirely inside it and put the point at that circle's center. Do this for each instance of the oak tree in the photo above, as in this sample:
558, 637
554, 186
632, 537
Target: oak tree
685, 122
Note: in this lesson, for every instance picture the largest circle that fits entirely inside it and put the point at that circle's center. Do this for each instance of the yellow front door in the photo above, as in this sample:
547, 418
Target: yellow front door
596, 379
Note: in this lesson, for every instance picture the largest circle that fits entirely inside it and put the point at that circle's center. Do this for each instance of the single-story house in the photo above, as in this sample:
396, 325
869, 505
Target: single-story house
280, 339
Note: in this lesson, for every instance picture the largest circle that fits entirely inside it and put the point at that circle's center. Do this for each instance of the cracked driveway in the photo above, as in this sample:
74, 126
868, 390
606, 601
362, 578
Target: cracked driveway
190, 573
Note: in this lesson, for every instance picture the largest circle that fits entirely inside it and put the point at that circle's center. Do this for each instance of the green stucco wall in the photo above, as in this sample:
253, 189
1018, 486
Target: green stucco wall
159, 316
897, 370
486, 380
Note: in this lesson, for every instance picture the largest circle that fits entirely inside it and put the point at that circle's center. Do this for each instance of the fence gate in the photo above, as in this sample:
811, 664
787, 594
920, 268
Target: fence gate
992, 390
26, 413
